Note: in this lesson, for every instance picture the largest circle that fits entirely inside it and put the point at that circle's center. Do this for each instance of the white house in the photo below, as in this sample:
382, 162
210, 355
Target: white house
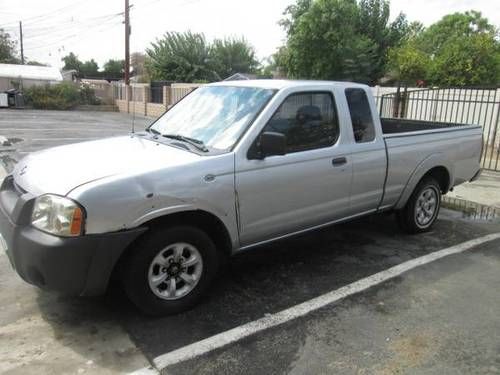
14, 75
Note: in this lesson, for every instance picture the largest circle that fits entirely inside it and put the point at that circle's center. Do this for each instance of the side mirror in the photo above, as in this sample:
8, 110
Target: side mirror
272, 143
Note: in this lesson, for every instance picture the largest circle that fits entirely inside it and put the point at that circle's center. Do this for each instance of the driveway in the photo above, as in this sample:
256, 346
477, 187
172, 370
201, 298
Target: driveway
439, 317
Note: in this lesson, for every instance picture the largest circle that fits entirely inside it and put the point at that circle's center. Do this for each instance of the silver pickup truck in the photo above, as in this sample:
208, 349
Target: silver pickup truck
231, 166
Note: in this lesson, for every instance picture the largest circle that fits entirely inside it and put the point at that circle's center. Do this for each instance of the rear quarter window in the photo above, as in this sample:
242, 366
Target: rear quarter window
361, 115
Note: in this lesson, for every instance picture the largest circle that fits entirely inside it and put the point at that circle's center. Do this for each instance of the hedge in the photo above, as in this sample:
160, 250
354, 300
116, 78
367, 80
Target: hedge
65, 95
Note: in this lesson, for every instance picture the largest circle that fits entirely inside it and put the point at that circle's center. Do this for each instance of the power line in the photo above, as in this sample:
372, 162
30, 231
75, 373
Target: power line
51, 13
61, 24
78, 36
75, 26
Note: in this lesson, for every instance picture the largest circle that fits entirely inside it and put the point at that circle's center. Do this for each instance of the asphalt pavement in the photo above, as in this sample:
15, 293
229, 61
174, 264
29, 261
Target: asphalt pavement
33, 130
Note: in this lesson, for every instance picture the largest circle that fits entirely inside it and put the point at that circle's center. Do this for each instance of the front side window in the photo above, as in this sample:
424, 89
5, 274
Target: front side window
214, 115
361, 116
308, 121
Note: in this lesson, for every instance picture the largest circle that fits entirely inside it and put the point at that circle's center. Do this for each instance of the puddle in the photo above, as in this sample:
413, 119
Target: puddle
471, 210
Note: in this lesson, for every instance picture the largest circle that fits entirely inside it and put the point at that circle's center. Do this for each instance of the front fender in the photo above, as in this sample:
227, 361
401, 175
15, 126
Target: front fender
126, 202
225, 217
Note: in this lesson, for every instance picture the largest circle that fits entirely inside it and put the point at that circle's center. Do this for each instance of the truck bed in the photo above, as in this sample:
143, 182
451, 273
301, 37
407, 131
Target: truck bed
410, 144
398, 125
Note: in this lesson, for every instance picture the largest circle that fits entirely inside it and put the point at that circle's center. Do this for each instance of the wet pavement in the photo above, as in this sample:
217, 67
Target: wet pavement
439, 318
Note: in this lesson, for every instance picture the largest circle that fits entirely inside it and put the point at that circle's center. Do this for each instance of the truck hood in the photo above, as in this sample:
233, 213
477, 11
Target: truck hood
60, 169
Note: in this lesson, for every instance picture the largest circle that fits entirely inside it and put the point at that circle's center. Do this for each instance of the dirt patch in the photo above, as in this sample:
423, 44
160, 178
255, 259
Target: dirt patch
410, 351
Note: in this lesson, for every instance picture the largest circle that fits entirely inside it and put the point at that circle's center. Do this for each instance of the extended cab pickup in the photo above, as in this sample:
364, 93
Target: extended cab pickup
231, 166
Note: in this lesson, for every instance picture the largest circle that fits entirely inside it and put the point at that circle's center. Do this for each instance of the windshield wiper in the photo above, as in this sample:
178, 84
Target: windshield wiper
154, 131
193, 142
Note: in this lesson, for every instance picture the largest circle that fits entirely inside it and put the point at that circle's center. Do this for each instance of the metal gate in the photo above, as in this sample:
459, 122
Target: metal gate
480, 106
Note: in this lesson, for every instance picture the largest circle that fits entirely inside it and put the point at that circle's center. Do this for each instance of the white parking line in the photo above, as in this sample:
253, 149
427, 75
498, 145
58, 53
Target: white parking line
233, 335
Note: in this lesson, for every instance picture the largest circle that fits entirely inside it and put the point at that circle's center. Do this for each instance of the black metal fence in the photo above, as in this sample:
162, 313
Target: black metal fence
156, 91
480, 106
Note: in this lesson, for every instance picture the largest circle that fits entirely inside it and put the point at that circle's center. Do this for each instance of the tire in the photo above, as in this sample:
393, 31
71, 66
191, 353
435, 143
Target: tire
422, 209
156, 256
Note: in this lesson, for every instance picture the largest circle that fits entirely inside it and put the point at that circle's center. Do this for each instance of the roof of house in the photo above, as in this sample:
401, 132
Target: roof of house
241, 76
45, 73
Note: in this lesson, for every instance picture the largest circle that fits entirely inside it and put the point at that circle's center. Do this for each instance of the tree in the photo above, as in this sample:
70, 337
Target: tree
182, 57
229, 56
89, 69
323, 42
460, 49
71, 62
473, 60
274, 65
408, 64
452, 26
113, 68
7, 49
374, 24
340, 39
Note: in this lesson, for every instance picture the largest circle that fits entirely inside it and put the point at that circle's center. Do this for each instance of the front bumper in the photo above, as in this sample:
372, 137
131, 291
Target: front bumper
71, 265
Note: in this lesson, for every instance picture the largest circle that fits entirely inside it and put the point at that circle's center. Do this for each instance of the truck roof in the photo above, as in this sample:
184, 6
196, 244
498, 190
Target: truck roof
284, 83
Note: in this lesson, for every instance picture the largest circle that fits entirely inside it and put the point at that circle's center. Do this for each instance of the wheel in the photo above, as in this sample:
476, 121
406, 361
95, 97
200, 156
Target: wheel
422, 208
168, 271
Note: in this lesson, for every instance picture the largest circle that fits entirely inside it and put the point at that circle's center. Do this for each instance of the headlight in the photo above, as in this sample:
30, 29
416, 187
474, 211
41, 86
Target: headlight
58, 215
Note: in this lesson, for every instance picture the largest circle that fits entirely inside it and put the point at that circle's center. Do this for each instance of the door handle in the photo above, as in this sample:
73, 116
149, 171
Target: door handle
337, 162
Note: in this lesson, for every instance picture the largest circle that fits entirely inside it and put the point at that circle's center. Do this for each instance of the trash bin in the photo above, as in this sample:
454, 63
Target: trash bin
15, 98
4, 100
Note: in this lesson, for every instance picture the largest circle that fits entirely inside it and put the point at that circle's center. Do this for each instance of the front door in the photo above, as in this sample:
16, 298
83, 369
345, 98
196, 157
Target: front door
306, 187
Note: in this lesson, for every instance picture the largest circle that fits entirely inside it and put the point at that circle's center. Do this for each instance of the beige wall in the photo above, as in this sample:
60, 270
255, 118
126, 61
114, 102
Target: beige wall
136, 98
122, 105
155, 110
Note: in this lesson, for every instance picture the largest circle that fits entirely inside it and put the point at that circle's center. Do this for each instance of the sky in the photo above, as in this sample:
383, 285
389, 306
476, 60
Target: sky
94, 29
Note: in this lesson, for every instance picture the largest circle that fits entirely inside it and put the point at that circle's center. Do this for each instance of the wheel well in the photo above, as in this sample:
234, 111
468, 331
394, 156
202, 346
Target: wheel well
442, 176
203, 220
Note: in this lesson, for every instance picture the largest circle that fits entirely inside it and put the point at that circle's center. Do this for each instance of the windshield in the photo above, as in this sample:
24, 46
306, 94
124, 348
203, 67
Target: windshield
214, 115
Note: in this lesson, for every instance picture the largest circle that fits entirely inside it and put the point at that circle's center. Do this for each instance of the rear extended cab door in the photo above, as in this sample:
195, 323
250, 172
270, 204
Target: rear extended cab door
369, 158
284, 194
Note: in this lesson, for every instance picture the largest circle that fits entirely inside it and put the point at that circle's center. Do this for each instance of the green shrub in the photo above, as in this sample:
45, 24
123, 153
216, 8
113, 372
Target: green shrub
65, 95
87, 95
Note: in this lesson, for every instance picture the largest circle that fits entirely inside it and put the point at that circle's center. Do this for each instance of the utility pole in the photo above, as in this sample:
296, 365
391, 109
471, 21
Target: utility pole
127, 43
21, 41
